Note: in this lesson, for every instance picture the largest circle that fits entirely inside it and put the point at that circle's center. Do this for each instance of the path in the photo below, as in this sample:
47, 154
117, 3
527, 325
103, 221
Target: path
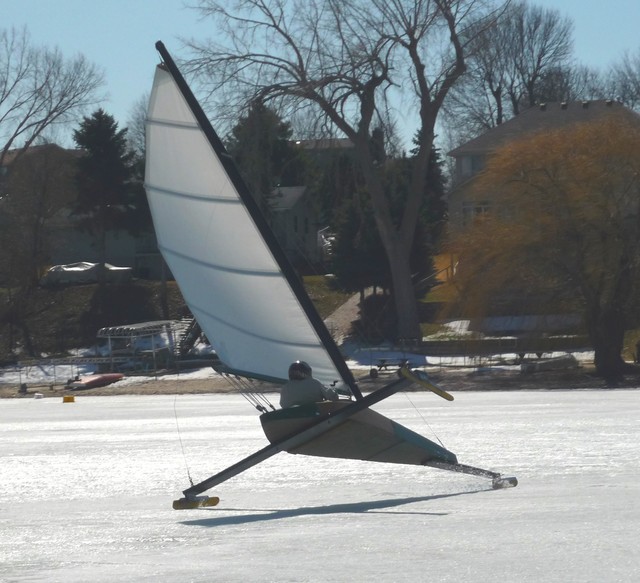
340, 321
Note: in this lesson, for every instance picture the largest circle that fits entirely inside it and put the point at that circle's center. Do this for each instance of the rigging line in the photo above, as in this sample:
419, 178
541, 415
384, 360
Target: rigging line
247, 387
252, 401
265, 400
184, 456
249, 395
423, 418
260, 398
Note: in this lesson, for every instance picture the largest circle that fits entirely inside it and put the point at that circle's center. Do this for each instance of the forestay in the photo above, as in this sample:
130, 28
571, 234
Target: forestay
229, 276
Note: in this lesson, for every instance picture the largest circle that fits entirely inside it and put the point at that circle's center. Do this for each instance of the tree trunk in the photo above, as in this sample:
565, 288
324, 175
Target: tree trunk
164, 301
404, 295
29, 347
606, 331
19, 312
102, 267
396, 241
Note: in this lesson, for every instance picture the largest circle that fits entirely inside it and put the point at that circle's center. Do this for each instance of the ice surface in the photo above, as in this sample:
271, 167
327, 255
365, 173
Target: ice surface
86, 491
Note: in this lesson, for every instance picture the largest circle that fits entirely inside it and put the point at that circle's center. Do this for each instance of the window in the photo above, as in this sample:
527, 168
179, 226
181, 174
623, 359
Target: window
472, 210
470, 165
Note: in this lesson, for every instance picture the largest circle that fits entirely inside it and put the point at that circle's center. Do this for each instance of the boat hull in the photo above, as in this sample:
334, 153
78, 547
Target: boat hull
366, 435
95, 380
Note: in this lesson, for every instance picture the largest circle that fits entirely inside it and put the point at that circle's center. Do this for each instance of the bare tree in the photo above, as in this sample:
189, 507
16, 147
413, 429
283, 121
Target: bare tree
480, 100
543, 40
512, 65
571, 83
625, 80
136, 125
36, 187
39, 185
38, 89
344, 60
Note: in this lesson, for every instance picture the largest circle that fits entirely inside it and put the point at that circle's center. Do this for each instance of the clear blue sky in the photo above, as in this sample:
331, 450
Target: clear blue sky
116, 35
119, 35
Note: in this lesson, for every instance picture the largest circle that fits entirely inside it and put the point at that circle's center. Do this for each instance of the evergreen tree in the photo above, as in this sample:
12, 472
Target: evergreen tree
104, 177
260, 145
357, 253
332, 179
358, 256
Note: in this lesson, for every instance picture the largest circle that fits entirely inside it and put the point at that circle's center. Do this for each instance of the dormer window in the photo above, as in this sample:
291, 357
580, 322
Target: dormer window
470, 165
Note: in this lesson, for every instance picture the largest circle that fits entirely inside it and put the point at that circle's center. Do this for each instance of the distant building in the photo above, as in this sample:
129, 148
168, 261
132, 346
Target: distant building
35, 160
295, 217
470, 157
69, 244
66, 242
295, 224
325, 147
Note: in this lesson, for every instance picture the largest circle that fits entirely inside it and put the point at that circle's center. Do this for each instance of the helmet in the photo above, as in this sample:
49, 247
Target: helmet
299, 370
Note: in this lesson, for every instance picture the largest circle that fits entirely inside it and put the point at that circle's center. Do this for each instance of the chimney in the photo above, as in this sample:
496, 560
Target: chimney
585, 104
543, 107
564, 105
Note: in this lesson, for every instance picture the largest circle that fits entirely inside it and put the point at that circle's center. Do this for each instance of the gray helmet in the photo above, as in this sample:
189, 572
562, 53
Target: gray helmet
299, 370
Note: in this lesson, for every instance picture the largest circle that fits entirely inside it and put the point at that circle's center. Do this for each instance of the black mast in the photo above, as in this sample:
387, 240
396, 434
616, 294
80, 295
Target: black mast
258, 218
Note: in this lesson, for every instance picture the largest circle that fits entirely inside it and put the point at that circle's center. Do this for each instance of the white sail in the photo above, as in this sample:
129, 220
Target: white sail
227, 274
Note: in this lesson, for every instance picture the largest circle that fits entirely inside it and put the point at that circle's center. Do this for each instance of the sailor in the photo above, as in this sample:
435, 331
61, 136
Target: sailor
302, 388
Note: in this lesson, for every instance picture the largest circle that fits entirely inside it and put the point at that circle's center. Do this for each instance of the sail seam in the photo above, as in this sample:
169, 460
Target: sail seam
250, 334
185, 125
217, 267
193, 196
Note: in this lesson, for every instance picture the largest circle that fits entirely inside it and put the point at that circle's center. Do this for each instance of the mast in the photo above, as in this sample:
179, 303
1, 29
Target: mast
261, 224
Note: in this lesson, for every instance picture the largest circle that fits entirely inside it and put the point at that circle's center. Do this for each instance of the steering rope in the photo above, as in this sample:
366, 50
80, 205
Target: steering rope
184, 456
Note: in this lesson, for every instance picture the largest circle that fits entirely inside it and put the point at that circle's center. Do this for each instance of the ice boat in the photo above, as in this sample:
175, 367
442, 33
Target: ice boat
94, 381
252, 305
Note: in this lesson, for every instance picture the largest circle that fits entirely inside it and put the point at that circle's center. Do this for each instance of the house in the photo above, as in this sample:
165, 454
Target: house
470, 158
295, 217
69, 244
324, 149
39, 183
296, 225
39, 166
529, 308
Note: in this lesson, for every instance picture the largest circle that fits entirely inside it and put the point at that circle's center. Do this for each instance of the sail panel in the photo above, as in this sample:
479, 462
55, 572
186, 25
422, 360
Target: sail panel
227, 274
209, 224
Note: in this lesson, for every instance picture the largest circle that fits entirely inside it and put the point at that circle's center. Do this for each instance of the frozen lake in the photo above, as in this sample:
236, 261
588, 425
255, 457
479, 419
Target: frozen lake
86, 491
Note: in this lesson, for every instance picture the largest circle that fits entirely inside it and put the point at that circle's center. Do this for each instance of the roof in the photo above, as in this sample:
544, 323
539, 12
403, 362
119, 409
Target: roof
325, 144
11, 155
286, 197
141, 329
546, 116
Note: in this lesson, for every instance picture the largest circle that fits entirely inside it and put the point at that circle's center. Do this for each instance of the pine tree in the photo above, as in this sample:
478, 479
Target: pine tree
260, 145
104, 178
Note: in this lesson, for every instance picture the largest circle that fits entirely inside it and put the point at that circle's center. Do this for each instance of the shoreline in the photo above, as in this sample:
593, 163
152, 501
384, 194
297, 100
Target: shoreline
451, 380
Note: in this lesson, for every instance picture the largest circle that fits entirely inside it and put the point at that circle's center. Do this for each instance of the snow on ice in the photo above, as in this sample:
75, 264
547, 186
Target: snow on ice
86, 491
